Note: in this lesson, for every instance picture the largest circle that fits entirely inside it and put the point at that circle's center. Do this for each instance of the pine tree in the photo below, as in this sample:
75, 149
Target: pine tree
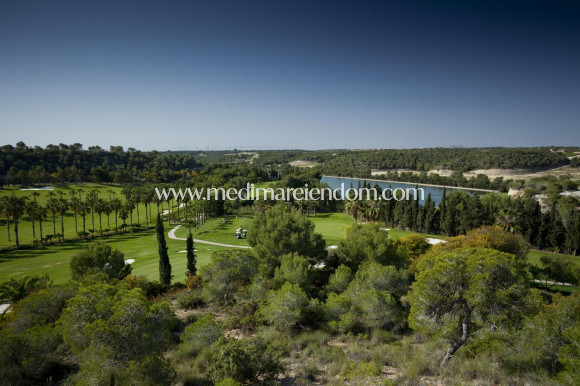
191, 259
164, 264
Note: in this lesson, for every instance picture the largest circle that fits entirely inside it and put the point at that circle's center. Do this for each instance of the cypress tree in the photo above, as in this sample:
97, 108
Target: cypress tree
442, 210
164, 264
191, 259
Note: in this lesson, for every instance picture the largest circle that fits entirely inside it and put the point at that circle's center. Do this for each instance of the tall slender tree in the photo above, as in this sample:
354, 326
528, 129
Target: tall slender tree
116, 206
31, 211
191, 258
40, 215
92, 198
14, 207
52, 205
62, 205
164, 264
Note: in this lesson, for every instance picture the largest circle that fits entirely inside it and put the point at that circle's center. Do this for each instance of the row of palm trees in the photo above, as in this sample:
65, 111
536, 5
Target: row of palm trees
82, 205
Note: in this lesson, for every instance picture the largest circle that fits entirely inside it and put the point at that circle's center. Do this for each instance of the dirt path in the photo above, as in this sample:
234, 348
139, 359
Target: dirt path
171, 235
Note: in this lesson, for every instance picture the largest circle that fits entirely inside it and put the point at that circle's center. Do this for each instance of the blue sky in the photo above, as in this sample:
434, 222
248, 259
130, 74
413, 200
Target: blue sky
172, 75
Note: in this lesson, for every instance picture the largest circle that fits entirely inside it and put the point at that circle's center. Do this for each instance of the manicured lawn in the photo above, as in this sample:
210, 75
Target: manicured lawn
331, 226
25, 225
141, 246
534, 256
219, 232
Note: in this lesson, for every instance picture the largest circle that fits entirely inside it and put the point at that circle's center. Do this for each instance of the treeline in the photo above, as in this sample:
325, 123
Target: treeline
481, 181
458, 212
98, 213
62, 163
345, 162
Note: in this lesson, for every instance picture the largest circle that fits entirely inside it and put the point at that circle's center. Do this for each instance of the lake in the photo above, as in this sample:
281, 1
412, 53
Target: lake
436, 191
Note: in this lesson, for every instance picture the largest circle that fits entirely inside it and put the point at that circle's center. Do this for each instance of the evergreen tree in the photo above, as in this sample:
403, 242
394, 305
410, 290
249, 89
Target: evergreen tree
164, 264
556, 235
442, 210
429, 216
191, 259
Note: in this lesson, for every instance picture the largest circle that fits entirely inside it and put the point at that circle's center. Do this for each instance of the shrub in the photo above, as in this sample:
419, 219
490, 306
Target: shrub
151, 288
285, 307
243, 360
190, 299
203, 333
99, 257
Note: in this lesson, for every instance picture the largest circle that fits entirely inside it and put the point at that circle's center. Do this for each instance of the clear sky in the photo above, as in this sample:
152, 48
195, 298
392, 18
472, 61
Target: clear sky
172, 75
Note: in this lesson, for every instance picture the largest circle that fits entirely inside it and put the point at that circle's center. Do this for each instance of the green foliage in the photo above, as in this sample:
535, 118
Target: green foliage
111, 329
293, 269
31, 356
570, 355
229, 382
339, 280
164, 264
495, 238
151, 288
544, 340
191, 299
99, 257
280, 231
17, 289
555, 269
42, 307
191, 258
361, 370
66, 163
202, 333
414, 245
285, 308
369, 301
367, 242
460, 292
227, 272
243, 360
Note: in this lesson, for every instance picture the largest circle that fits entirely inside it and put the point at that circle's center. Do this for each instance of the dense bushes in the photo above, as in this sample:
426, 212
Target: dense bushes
99, 257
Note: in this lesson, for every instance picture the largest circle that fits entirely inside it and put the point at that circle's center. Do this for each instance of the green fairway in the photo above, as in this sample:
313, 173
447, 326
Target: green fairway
217, 231
534, 256
141, 246
105, 222
331, 226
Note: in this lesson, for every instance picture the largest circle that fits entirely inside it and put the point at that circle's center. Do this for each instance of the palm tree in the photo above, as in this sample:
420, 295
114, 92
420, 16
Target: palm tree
52, 205
4, 211
100, 207
15, 206
109, 207
374, 210
14, 290
31, 210
129, 206
76, 206
507, 220
62, 208
92, 198
136, 196
123, 214
116, 206
40, 215
353, 208
147, 198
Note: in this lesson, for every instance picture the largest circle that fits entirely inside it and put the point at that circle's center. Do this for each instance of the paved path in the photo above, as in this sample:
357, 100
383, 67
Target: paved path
550, 282
171, 235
